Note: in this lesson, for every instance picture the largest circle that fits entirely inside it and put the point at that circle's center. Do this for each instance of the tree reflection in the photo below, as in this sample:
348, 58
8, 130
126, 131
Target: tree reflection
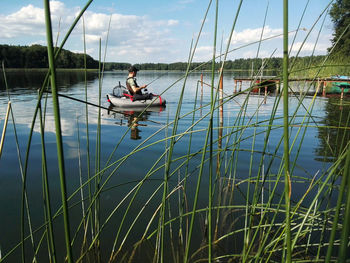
335, 132
33, 79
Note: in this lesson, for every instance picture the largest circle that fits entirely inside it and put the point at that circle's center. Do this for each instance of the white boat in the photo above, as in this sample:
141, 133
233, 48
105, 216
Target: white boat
121, 98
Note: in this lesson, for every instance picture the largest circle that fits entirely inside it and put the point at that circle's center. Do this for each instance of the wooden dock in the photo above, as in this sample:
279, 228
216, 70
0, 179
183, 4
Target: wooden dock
269, 84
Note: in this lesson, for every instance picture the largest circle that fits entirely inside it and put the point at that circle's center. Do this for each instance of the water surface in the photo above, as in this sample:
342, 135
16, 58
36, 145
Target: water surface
312, 156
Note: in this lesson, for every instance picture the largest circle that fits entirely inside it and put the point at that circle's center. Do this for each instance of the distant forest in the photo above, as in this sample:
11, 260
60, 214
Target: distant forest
35, 56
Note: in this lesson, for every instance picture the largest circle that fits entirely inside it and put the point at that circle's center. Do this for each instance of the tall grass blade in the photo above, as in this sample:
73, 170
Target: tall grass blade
46, 195
5, 127
344, 239
287, 176
59, 141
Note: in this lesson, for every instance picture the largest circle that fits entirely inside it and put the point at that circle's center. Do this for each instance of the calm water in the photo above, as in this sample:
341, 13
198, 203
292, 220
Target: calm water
114, 126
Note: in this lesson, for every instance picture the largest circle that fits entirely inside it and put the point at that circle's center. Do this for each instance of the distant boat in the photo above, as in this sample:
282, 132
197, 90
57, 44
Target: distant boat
120, 97
343, 83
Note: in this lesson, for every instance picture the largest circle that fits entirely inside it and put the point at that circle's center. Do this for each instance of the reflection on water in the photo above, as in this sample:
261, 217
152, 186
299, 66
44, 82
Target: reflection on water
133, 118
334, 134
33, 79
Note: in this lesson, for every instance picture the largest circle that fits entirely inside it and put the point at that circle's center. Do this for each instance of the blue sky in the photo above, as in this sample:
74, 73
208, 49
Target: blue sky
161, 31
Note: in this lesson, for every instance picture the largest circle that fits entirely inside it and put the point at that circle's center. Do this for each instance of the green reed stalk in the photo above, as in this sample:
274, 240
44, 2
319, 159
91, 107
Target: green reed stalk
98, 159
310, 109
146, 177
169, 160
90, 219
342, 190
46, 195
262, 31
210, 130
286, 132
260, 170
167, 169
86, 112
124, 158
247, 233
344, 239
220, 189
7, 111
33, 123
182, 200
300, 20
25, 196
85, 222
5, 126
308, 34
59, 142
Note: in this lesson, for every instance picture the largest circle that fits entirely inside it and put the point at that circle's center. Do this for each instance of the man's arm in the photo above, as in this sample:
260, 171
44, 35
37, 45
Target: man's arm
136, 89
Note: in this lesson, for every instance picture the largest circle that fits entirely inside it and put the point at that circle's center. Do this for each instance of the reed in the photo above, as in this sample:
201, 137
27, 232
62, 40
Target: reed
236, 208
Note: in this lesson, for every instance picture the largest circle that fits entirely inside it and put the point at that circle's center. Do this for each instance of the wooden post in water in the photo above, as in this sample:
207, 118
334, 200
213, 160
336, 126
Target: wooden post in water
265, 95
201, 86
221, 121
240, 86
201, 92
318, 87
342, 93
324, 90
235, 90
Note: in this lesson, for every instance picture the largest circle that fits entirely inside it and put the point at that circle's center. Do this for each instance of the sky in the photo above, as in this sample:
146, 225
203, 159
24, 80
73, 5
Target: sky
159, 31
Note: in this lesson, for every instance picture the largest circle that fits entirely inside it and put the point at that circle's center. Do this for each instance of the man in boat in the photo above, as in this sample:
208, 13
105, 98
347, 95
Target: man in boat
133, 88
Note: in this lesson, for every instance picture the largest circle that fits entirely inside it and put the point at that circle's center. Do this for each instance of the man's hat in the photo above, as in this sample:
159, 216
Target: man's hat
133, 69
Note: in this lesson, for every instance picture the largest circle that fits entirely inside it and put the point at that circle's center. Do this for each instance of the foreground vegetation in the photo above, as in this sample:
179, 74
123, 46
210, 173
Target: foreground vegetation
202, 220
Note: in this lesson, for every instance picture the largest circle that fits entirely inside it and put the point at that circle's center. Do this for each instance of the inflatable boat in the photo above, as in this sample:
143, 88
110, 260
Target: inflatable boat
121, 98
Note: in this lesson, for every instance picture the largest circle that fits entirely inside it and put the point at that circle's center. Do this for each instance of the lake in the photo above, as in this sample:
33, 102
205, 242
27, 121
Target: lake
245, 153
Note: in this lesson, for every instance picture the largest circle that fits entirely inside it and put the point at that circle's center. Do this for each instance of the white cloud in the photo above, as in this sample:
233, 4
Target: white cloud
173, 22
203, 53
308, 47
252, 54
185, 2
131, 38
252, 35
30, 20
92, 38
27, 21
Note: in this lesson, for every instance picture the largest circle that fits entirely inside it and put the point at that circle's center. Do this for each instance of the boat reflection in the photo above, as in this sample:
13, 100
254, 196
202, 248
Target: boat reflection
133, 118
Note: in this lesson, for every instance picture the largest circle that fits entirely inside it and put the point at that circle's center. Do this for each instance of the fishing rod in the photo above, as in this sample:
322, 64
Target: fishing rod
145, 89
156, 79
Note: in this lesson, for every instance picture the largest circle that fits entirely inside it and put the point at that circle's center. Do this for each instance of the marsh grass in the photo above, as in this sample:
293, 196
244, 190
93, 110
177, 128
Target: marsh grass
202, 208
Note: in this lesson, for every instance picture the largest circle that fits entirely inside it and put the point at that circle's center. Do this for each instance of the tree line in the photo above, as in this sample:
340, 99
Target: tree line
242, 64
35, 56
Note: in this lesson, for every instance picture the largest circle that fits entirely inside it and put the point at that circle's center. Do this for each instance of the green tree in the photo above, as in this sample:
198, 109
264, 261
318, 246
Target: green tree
340, 15
35, 57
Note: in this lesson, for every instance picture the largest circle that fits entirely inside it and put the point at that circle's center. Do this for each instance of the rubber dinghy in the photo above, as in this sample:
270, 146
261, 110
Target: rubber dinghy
122, 98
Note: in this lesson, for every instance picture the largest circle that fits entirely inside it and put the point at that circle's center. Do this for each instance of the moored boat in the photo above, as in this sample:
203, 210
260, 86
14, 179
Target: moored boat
342, 85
